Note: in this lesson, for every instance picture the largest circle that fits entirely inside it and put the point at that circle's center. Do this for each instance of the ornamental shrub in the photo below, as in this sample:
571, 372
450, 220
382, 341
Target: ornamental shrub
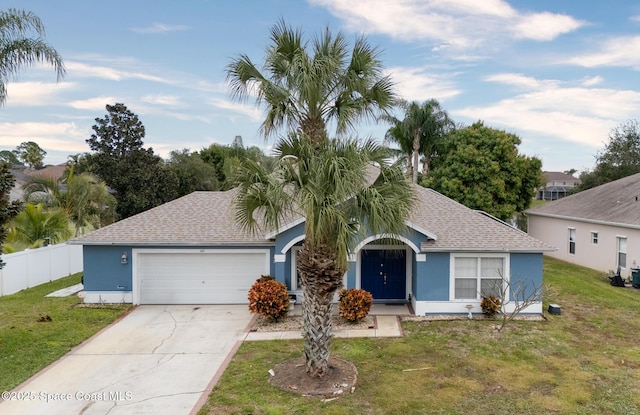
490, 305
269, 298
354, 304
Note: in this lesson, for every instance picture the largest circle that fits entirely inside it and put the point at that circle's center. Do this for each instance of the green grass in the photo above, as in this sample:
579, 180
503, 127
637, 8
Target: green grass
585, 361
27, 346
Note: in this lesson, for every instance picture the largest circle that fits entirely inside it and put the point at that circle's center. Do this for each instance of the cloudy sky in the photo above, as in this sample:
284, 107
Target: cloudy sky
559, 74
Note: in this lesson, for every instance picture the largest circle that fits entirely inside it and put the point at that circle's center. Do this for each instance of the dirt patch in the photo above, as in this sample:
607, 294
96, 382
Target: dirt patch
291, 376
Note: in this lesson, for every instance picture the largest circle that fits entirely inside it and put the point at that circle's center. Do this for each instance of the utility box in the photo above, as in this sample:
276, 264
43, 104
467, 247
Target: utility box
635, 277
554, 309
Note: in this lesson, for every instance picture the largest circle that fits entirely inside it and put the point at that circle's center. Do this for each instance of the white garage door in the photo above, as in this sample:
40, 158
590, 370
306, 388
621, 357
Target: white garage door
194, 277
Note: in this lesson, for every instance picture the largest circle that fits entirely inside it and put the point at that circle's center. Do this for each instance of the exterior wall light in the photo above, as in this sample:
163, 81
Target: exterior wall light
124, 258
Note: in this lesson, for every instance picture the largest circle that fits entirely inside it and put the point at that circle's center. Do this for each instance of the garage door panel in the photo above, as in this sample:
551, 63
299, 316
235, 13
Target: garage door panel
198, 278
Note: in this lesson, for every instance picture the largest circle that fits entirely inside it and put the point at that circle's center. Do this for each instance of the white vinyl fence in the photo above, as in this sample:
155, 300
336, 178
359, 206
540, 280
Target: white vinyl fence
33, 267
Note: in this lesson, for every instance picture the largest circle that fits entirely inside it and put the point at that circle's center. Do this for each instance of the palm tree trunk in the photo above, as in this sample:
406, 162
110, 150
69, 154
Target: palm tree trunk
416, 149
320, 278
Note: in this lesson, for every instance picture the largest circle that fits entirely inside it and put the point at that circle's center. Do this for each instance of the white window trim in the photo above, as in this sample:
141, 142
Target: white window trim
618, 238
597, 238
575, 245
452, 278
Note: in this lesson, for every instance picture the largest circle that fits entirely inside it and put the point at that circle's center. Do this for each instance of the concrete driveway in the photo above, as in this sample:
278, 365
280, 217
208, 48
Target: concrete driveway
156, 360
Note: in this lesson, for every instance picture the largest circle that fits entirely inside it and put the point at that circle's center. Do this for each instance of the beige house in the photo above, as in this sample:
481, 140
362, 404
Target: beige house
598, 228
556, 185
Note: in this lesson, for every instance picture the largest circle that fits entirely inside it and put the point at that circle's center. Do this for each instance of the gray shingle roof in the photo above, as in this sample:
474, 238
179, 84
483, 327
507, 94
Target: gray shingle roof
459, 228
200, 218
206, 218
614, 202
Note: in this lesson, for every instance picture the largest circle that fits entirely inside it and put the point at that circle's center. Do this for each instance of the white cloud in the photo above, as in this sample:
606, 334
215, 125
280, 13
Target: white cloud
255, 114
617, 51
157, 99
160, 28
96, 103
545, 26
75, 68
460, 24
416, 84
49, 136
591, 81
519, 80
36, 93
576, 114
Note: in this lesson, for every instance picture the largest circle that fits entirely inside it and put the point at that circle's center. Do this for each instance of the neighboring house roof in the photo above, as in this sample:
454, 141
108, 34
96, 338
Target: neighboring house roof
207, 218
616, 202
558, 176
49, 172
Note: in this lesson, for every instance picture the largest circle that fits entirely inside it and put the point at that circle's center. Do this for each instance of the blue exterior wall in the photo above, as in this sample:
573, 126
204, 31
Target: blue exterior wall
526, 269
432, 279
103, 270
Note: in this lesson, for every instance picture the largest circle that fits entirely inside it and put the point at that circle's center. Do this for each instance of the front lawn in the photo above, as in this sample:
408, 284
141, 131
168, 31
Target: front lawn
28, 345
585, 361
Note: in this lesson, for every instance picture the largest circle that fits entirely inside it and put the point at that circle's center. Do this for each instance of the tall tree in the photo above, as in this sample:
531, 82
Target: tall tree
31, 154
333, 190
192, 172
619, 158
7, 156
8, 209
481, 169
420, 133
139, 178
23, 43
307, 85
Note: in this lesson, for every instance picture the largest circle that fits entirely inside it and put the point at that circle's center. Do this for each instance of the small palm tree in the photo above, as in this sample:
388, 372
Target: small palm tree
421, 132
344, 191
33, 225
17, 49
305, 91
84, 198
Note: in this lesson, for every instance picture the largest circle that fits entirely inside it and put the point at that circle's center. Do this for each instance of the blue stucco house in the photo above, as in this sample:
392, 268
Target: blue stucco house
191, 251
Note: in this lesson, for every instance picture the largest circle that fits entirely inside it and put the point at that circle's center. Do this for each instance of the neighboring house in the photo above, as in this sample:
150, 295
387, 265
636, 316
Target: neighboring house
598, 228
22, 176
191, 251
557, 185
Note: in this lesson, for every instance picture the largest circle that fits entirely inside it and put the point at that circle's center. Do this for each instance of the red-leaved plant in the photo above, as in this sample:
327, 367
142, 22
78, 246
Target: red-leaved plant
269, 298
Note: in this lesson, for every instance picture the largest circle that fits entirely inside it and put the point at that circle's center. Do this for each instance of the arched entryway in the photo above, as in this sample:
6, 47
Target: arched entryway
385, 271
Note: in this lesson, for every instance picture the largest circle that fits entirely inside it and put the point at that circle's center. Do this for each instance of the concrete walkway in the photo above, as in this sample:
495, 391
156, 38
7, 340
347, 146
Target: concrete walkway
386, 326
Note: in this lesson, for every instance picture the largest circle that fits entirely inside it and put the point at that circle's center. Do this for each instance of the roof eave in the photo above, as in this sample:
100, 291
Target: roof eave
586, 220
489, 249
171, 243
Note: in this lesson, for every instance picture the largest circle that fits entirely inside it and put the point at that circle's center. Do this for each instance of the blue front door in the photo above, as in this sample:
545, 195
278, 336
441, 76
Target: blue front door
384, 273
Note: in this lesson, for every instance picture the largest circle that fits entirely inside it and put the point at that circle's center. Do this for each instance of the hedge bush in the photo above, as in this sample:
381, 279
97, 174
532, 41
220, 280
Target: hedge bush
490, 305
354, 304
269, 298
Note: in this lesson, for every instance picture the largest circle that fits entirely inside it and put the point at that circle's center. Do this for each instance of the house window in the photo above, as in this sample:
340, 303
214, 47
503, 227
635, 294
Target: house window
475, 277
594, 238
572, 241
622, 251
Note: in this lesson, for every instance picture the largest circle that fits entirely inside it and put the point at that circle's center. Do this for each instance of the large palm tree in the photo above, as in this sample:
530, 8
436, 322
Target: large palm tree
420, 133
306, 86
344, 191
22, 43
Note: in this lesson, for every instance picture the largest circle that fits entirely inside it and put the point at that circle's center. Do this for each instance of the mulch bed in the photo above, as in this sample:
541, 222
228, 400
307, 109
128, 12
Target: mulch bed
291, 376
294, 323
